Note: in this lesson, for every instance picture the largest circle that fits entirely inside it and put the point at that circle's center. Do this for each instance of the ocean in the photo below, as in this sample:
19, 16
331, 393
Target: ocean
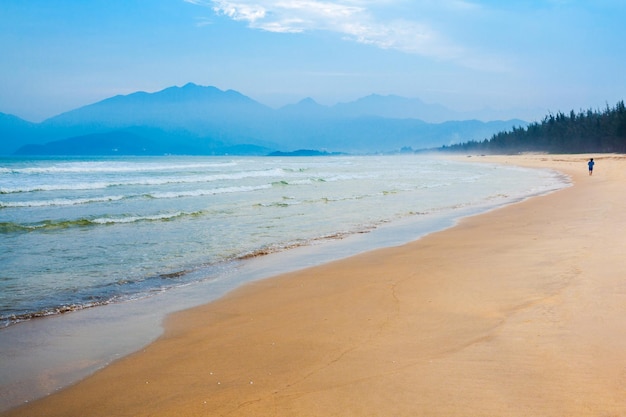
94, 252
84, 232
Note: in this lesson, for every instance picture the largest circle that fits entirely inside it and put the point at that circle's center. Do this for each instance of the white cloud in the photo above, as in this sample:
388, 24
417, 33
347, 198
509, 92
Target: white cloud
241, 11
289, 15
358, 21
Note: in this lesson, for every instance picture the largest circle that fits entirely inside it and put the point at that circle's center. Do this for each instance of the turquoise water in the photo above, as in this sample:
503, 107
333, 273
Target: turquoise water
83, 232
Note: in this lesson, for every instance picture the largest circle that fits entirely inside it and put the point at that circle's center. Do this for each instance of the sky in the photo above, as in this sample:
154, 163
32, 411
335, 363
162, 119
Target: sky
521, 58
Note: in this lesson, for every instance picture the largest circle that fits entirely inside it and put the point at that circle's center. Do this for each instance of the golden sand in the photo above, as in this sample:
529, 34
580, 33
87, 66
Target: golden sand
517, 312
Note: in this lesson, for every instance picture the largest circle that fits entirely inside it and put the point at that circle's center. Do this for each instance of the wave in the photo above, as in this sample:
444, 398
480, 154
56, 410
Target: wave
9, 319
11, 227
304, 181
288, 201
108, 167
55, 187
107, 293
279, 204
200, 193
276, 172
135, 219
346, 177
61, 202
154, 195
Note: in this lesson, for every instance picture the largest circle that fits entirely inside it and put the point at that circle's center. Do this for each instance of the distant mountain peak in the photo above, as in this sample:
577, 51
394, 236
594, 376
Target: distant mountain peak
306, 107
189, 91
308, 101
189, 107
396, 107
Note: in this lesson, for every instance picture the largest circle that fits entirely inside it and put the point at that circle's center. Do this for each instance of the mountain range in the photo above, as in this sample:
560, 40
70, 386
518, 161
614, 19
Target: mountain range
200, 120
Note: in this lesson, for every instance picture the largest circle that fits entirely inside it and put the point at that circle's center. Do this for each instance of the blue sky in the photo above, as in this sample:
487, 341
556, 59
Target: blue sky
522, 58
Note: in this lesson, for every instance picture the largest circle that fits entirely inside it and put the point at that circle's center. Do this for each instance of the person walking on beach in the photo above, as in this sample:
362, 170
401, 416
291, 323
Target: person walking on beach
591, 164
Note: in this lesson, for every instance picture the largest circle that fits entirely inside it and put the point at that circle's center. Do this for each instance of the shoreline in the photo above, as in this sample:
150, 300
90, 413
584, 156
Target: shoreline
401, 330
48, 354
419, 190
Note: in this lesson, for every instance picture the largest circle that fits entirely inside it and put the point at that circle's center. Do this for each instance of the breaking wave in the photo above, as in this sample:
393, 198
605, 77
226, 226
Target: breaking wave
9, 227
145, 181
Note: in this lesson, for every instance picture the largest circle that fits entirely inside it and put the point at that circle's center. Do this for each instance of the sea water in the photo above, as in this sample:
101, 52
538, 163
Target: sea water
120, 235
78, 233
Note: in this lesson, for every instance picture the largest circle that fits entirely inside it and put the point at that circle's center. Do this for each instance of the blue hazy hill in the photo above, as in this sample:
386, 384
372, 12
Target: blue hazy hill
193, 107
195, 119
396, 107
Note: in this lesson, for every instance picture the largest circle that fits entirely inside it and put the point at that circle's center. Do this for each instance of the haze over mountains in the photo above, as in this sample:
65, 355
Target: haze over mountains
201, 120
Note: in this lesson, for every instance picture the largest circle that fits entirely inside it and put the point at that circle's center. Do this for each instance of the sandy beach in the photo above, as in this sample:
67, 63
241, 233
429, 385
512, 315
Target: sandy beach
517, 312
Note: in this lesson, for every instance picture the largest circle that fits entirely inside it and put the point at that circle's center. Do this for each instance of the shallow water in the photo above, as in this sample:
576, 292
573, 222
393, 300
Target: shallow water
76, 233
143, 237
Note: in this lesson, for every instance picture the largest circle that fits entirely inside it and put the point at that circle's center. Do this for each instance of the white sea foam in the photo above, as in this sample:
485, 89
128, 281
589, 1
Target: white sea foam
142, 181
200, 193
29, 188
60, 202
134, 219
112, 167
347, 177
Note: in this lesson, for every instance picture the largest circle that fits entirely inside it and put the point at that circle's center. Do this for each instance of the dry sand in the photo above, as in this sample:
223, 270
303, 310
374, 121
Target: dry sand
517, 312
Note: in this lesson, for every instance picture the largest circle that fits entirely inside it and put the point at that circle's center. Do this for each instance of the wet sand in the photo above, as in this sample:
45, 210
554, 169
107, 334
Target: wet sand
517, 312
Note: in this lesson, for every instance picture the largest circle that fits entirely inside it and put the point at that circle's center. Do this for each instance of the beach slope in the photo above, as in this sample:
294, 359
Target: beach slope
517, 312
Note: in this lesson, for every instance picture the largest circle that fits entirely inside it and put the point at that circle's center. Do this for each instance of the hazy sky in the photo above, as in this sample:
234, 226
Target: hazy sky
542, 55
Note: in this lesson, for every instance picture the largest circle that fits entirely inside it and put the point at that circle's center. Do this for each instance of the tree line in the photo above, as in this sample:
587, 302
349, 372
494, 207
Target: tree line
591, 131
